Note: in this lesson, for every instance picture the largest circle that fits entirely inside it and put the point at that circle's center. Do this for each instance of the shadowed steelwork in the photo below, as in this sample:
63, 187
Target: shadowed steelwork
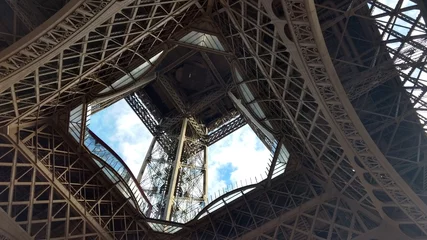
334, 89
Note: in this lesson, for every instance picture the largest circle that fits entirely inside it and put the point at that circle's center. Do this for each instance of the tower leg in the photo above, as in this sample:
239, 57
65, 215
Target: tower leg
175, 169
146, 159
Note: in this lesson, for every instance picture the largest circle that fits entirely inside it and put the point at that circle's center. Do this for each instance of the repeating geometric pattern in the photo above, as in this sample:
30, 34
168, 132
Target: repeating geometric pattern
348, 105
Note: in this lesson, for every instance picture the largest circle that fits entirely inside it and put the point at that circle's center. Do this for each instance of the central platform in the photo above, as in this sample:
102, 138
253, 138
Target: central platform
186, 106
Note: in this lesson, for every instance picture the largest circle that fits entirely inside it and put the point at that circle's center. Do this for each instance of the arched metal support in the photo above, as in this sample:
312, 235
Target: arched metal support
9, 229
38, 165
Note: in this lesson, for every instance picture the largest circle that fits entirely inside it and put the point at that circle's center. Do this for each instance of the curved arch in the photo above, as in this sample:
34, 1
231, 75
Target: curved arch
139, 77
76, 19
312, 58
206, 208
127, 89
127, 172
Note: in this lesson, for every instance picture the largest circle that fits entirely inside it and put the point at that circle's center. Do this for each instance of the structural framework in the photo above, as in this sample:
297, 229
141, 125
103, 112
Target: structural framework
185, 105
339, 85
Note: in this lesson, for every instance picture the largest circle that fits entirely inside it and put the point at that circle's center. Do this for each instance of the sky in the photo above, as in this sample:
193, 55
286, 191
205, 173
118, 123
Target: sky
403, 27
235, 159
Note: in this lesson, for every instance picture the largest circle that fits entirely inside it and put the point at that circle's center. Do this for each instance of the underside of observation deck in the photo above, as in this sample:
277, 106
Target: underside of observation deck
339, 84
191, 81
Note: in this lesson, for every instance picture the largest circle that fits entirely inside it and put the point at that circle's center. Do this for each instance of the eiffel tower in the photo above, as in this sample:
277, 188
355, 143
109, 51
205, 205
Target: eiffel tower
334, 89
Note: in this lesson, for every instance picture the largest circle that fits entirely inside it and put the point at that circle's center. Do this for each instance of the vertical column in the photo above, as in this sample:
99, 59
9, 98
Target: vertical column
175, 169
83, 122
274, 161
146, 159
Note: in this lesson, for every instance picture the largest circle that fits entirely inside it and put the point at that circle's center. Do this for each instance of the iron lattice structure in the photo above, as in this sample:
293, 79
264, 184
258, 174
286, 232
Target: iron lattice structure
185, 106
339, 84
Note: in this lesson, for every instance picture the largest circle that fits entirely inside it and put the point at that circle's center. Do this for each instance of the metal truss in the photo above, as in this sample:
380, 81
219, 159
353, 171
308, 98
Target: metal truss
158, 127
353, 175
400, 113
198, 128
27, 12
226, 129
146, 117
44, 73
174, 172
19, 17
153, 177
53, 190
325, 124
175, 182
295, 207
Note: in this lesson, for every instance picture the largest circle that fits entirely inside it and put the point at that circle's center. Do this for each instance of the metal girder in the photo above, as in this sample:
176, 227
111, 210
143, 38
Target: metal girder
110, 161
142, 112
168, 122
327, 212
370, 79
27, 12
276, 155
69, 188
383, 231
260, 65
273, 224
113, 96
175, 181
402, 34
16, 61
9, 229
254, 207
225, 130
176, 98
67, 49
158, 130
178, 61
57, 185
154, 175
293, 70
145, 99
176, 167
210, 98
325, 82
327, 143
280, 212
213, 69
182, 107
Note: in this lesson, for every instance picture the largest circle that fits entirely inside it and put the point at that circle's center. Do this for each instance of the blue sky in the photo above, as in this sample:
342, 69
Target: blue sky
236, 158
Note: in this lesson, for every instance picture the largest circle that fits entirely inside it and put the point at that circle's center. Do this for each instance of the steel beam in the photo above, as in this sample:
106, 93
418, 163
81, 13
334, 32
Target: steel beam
276, 155
92, 64
286, 215
9, 229
170, 198
225, 130
58, 186
147, 159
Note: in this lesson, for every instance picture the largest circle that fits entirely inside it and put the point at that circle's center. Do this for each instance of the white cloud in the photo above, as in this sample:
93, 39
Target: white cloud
124, 132
244, 152
241, 154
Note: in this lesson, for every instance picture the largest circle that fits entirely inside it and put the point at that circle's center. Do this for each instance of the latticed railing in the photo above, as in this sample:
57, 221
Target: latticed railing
110, 163
97, 147
236, 190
